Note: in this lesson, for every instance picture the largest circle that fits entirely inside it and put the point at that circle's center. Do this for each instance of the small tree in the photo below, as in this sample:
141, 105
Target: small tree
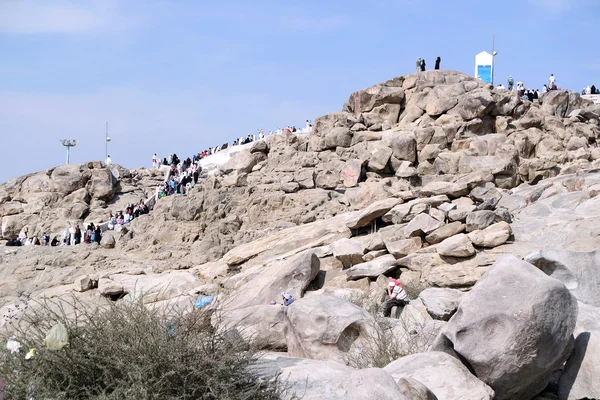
129, 351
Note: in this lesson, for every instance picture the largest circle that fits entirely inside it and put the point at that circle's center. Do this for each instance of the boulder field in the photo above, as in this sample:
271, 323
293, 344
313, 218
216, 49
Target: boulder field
482, 204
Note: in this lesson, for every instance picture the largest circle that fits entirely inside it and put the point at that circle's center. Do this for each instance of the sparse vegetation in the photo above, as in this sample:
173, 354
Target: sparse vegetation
390, 339
129, 351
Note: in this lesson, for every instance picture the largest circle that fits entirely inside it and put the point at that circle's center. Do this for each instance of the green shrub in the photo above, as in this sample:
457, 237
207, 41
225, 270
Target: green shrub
129, 351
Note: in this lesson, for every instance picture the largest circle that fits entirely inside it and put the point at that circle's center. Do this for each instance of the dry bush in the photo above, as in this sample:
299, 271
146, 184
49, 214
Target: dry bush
127, 350
390, 339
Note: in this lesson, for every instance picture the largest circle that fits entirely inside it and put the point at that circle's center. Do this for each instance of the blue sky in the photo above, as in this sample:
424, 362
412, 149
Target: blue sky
182, 75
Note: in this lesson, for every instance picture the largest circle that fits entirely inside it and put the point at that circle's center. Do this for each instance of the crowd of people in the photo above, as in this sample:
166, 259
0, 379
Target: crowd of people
420, 65
120, 218
157, 162
529, 94
590, 90
71, 236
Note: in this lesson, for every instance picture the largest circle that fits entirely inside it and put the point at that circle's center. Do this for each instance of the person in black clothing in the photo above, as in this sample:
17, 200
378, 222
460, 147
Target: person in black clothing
437, 63
98, 234
196, 175
423, 64
593, 89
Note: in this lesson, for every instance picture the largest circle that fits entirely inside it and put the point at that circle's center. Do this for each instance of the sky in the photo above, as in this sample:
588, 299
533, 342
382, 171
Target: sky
178, 76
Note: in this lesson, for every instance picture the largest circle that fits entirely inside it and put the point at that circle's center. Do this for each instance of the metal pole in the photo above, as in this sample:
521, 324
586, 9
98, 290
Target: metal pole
493, 57
68, 151
106, 142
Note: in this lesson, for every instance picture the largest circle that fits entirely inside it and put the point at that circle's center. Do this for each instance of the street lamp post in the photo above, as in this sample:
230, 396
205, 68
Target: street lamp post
494, 53
68, 143
106, 140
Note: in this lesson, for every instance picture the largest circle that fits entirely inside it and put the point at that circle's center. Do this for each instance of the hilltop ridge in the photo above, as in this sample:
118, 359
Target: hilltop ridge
431, 178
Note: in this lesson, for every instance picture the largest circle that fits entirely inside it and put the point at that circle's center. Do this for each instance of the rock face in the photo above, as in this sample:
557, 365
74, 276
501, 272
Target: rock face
579, 379
314, 380
441, 303
444, 375
325, 328
528, 320
428, 177
579, 271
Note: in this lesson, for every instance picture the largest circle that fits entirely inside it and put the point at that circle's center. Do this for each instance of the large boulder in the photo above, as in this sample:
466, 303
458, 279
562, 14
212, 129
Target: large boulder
263, 283
403, 144
242, 162
367, 99
492, 236
372, 269
422, 225
102, 183
513, 329
456, 246
579, 379
441, 303
316, 380
444, 375
474, 105
326, 328
348, 251
263, 325
579, 271
292, 240
372, 212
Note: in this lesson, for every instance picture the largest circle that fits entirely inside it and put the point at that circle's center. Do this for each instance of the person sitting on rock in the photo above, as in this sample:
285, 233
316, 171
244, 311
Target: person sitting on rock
46, 239
287, 298
54, 242
396, 297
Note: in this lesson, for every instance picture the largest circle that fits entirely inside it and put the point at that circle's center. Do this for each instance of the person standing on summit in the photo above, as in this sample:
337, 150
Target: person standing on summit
511, 83
418, 64
551, 81
422, 64
437, 63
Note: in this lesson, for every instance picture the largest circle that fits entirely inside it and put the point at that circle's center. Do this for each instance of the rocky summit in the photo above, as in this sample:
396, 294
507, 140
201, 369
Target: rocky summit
483, 205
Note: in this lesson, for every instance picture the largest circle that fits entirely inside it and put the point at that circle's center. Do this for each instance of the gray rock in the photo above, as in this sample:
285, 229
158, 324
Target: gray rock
372, 269
441, 303
444, 188
403, 145
461, 212
456, 246
85, 282
402, 248
492, 236
422, 225
380, 155
529, 320
479, 220
577, 270
316, 380
325, 328
415, 390
445, 232
260, 146
444, 375
262, 325
348, 251
579, 379
242, 162
374, 211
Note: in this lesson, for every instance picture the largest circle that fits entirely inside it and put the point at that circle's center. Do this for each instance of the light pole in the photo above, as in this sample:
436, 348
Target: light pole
494, 53
68, 143
106, 140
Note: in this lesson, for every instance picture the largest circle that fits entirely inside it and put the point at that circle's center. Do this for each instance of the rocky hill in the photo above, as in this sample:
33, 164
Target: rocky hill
433, 178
